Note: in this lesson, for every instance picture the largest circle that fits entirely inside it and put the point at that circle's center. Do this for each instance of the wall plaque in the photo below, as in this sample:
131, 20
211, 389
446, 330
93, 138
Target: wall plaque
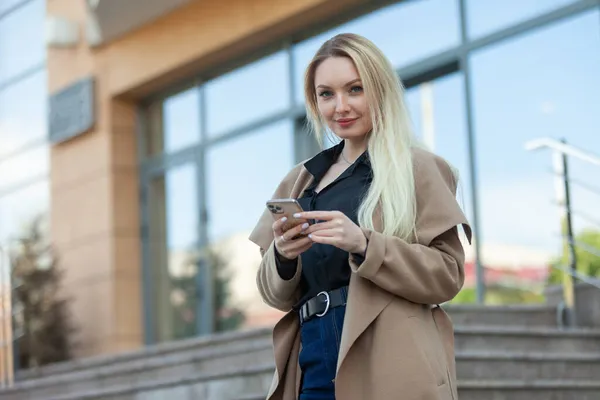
72, 111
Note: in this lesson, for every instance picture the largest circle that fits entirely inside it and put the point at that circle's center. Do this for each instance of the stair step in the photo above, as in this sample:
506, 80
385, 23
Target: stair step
503, 315
241, 363
528, 390
530, 366
210, 346
226, 385
526, 340
200, 365
512, 390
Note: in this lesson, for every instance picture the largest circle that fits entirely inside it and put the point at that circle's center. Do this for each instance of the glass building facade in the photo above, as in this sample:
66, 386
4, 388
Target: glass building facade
24, 150
482, 78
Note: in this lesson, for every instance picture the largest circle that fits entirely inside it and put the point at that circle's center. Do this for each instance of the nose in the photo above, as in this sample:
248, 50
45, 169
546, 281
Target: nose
341, 104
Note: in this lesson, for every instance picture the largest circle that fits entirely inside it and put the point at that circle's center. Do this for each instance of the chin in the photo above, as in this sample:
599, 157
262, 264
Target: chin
350, 134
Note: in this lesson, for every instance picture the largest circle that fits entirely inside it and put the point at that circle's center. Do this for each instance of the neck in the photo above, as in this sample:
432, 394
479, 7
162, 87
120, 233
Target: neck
354, 148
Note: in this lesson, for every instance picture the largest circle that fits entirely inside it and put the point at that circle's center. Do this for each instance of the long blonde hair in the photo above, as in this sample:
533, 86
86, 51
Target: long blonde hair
389, 143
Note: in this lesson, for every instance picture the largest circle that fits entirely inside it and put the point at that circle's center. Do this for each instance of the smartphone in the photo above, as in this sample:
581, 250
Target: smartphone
280, 208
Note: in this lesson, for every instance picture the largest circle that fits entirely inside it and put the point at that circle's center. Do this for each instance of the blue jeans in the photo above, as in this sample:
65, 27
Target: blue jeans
320, 339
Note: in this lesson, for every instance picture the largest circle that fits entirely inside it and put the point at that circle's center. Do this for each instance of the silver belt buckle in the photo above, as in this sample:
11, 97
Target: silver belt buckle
327, 305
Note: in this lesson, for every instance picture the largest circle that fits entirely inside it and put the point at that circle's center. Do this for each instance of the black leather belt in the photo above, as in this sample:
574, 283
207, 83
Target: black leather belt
322, 303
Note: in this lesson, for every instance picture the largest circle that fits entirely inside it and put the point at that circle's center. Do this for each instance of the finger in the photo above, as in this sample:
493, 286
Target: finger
318, 215
302, 249
324, 225
291, 250
298, 244
332, 240
290, 234
326, 233
278, 225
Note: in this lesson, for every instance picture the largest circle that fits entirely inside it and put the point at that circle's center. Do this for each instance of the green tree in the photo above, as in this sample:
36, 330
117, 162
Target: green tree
226, 316
43, 328
587, 263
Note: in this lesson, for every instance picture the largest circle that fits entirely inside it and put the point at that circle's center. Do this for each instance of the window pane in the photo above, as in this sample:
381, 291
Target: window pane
485, 17
406, 32
247, 94
5, 5
19, 209
23, 167
544, 84
26, 25
438, 113
23, 113
173, 244
175, 122
234, 167
439, 116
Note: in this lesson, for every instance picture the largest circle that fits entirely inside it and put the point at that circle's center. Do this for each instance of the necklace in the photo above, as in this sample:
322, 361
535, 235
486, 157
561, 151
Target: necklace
344, 158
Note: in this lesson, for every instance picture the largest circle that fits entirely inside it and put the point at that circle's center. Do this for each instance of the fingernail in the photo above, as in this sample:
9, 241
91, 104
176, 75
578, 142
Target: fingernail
283, 219
305, 225
297, 215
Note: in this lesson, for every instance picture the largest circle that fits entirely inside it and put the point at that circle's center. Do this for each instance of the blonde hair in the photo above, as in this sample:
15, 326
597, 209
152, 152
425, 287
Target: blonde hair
390, 142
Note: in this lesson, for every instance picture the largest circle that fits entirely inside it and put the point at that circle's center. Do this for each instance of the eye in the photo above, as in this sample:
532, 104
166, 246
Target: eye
356, 89
325, 93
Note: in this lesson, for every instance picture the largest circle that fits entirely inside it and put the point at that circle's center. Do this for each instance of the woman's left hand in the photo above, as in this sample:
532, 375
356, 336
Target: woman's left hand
336, 229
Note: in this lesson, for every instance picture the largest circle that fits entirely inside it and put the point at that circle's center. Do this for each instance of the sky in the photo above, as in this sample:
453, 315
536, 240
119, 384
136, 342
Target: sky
542, 84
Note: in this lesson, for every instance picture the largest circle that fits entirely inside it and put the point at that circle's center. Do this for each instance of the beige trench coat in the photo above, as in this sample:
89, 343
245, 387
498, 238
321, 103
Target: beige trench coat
396, 344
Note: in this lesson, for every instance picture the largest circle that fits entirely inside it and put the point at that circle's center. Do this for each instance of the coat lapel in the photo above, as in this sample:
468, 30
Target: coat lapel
365, 302
285, 337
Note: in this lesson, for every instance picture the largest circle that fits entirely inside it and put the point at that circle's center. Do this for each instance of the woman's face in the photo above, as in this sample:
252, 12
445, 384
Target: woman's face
341, 98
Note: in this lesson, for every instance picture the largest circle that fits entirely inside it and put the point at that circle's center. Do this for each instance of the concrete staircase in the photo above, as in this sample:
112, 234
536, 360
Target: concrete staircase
502, 353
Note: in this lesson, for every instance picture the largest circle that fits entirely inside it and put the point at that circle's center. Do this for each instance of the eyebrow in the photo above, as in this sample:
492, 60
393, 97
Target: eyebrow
347, 84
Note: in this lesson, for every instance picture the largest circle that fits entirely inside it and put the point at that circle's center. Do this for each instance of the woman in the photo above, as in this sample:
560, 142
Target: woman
361, 284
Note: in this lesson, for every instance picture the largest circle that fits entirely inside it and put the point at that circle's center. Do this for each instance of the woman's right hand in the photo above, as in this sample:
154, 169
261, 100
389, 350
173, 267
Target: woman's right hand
290, 244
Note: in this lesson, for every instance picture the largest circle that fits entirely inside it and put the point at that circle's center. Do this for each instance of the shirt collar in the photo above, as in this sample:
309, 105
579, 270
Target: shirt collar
320, 164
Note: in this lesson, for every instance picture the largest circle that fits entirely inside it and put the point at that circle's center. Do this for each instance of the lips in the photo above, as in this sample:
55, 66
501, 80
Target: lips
344, 122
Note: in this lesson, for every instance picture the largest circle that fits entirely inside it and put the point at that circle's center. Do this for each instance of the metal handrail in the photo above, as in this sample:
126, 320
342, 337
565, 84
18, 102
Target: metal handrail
562, 148
577, 213
582, 277
586, 247
561, 153
579, 183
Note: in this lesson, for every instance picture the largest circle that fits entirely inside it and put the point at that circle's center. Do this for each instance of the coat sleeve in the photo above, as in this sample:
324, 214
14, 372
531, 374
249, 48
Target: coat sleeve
276, 291
429, 270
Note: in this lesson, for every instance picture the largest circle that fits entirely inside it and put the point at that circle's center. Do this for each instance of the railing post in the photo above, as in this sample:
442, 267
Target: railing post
564, 200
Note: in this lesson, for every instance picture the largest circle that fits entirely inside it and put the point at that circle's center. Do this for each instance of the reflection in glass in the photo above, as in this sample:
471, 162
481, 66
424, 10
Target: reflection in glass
175, 122
23, 113
20, 208
438, 113
24, 26
241, 177
173, 244
485, 17
5, 5
406, 32
247, 94
23, 167
543, 84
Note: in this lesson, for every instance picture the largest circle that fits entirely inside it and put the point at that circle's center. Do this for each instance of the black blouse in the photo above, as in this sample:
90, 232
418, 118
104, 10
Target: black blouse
325, 267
